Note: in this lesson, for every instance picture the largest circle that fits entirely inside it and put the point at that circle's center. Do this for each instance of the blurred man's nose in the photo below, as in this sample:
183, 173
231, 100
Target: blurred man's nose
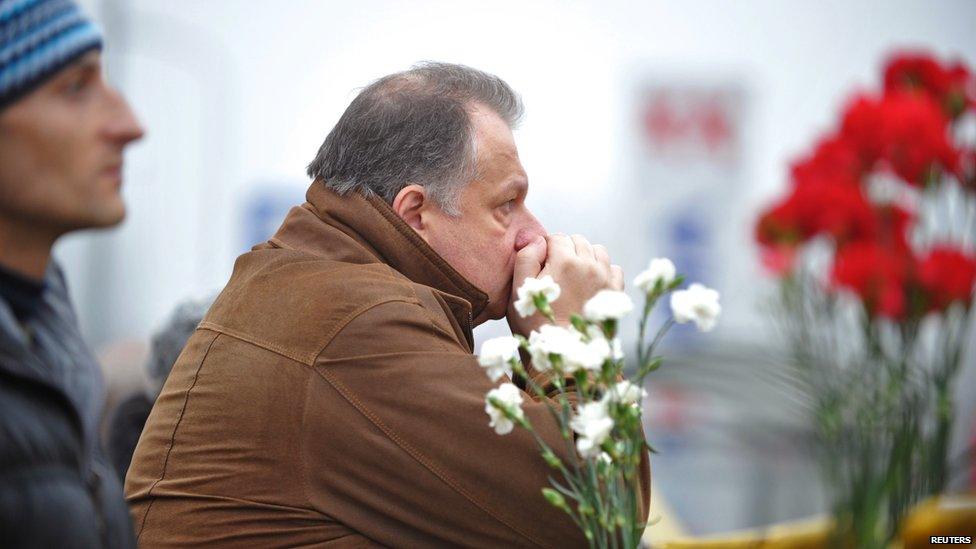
122, 127
530, 230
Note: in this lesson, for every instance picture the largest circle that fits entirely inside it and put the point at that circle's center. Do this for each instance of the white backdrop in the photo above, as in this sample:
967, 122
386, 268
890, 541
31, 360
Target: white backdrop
238, 94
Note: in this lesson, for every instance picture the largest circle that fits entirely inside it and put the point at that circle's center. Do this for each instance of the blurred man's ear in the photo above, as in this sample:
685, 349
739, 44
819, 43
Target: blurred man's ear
409, 204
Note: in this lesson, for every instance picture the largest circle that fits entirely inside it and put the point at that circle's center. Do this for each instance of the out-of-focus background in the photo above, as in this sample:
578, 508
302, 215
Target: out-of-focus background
655, 128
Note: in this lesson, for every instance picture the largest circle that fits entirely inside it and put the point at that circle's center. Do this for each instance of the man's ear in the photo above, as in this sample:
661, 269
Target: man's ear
410, 204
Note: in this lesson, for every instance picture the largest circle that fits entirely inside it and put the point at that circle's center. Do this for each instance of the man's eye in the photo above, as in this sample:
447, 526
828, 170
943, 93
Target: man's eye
77, 85
508, 206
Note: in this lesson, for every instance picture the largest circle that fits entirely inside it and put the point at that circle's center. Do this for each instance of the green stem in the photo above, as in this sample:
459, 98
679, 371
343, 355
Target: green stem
649, 302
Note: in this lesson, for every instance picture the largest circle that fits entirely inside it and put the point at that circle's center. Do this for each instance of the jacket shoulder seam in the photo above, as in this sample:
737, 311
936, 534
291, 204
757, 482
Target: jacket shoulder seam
306, 358
362, 310
341, 325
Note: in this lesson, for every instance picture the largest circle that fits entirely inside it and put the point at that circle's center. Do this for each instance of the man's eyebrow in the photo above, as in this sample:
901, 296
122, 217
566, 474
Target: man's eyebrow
519, 184
85, 64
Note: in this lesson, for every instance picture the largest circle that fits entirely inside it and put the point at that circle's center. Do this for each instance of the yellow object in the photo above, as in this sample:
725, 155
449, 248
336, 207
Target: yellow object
944, 516
810, 533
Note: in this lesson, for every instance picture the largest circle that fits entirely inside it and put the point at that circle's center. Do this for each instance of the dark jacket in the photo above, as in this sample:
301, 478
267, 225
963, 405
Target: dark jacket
330, 397
55, 487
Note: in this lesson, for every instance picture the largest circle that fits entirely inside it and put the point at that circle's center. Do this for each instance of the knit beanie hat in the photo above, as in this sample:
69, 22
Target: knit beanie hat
38, 38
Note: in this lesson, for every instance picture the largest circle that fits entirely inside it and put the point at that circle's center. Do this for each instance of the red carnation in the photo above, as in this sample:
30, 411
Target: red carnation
951, 87
946, 275
859, 127
906, 131
835, 159
778, 259
877, 274
838, 210
779, 232
892, 224
779, 225
914, 137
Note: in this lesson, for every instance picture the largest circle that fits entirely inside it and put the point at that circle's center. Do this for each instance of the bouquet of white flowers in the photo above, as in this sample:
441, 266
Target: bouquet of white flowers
597, 408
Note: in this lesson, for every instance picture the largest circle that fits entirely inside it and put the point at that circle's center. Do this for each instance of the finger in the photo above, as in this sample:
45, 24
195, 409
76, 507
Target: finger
529, 261
616, 278
602, 255
560, 246
583, 247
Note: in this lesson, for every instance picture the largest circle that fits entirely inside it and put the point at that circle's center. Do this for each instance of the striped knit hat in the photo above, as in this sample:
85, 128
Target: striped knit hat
37, 39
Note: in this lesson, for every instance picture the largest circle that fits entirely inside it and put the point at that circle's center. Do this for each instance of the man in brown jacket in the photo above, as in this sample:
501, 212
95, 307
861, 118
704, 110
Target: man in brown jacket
330, 396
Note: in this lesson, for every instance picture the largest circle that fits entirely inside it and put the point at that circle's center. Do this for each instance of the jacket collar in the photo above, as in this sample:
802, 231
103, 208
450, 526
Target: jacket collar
361, 229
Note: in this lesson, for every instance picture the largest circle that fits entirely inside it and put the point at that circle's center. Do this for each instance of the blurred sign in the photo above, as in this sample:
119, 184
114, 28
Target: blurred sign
692, 124
265, 208
688, 172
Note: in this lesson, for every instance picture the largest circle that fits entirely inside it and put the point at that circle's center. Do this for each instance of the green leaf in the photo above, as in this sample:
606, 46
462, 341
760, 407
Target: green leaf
653, 364
678, 281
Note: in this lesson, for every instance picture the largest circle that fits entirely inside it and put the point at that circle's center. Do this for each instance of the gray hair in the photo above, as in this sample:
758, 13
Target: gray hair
413, 127
168, 342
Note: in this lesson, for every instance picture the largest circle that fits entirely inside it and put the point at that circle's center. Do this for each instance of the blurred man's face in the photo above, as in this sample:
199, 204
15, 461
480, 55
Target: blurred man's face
61, 152
494, 224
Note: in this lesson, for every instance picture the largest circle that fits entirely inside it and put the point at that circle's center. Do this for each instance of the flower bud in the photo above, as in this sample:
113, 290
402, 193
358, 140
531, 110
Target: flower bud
555, 499
551, 459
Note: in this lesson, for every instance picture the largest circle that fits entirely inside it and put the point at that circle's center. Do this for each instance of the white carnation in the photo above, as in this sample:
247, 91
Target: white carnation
616, 347
698, 304
552, 340
591, 355
530, 289
625, 392
593, 424
497, 355
607, 305
661, 270
508, 396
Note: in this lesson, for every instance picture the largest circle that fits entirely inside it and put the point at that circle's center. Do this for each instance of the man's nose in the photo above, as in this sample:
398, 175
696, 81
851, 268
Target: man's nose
530, 230
122, 127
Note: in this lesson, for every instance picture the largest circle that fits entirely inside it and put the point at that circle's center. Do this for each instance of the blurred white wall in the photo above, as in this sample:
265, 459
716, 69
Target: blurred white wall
237, 95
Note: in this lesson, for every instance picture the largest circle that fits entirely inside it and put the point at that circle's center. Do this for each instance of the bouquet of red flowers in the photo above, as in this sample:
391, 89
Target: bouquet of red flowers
874, 250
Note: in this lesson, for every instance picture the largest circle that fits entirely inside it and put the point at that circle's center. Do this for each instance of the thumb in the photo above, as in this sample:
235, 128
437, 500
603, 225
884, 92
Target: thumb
529, 261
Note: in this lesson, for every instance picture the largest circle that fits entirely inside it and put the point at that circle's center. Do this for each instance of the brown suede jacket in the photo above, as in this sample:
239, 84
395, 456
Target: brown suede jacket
330, 397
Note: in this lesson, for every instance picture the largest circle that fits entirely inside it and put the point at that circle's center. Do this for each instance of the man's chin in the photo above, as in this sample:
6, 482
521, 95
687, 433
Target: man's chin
110, 217
105, 216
